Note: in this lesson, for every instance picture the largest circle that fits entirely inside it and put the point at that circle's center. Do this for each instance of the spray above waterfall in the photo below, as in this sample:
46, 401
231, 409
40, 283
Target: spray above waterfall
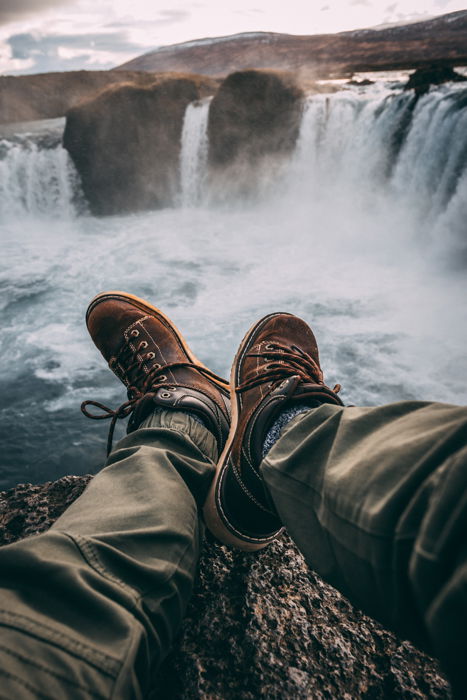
389, 161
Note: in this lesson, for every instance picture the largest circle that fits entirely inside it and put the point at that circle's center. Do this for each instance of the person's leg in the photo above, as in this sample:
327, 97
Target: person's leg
374, 497
89, 608
376, 500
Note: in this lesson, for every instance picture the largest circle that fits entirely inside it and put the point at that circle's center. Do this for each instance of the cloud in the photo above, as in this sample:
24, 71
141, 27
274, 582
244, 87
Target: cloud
71, 51
14, 10
166, 17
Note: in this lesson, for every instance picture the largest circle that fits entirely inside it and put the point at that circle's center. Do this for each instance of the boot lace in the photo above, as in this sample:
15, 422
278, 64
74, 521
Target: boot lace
281, 362
153, 381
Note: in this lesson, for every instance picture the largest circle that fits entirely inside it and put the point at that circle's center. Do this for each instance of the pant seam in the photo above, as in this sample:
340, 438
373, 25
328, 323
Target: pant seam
25, 684
107, 665
49, 670
90, 555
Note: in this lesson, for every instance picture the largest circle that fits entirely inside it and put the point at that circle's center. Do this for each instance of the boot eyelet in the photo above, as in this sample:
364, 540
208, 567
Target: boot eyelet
156, 365
171, 388
134, 333
165, 395
144, 344
151, 355
269, 346
162, 378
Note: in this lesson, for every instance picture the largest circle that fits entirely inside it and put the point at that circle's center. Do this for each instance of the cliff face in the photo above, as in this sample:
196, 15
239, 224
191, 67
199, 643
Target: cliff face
259, 625
254, 121
125, 143
254, 113
442, 39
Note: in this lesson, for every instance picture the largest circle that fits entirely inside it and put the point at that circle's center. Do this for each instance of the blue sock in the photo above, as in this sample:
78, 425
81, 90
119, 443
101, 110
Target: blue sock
281, 421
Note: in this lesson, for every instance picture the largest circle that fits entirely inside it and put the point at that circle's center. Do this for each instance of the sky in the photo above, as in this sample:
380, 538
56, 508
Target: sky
38, 36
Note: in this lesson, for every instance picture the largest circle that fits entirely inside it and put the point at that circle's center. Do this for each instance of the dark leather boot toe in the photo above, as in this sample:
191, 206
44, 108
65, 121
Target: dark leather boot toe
150, 356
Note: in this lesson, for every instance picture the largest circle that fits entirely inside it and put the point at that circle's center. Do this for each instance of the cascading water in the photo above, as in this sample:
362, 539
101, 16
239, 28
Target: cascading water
194, 152
402, 158
349, 239
37, 178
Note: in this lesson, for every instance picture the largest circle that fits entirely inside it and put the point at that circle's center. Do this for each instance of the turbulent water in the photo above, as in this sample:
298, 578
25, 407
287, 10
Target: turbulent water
363, 234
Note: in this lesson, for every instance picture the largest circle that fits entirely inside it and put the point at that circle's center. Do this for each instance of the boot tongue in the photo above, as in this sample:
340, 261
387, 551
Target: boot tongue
273, 405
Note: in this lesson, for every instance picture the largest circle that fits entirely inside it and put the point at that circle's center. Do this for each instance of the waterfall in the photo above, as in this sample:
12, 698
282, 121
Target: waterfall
357, 234
194, 152
389, 153
37, 179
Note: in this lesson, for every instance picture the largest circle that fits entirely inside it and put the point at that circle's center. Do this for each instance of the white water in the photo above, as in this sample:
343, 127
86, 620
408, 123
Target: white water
35, 181
194, 153
350, 239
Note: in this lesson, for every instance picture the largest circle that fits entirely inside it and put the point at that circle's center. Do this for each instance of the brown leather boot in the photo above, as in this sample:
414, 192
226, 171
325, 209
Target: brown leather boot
276, 366
150, 356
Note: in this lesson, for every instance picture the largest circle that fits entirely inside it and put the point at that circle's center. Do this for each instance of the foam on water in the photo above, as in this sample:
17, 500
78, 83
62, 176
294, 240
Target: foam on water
349, 239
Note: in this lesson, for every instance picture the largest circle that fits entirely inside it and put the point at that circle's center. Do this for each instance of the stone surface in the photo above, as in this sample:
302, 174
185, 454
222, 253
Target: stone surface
254, 121
259, 625
125, 143
423, 78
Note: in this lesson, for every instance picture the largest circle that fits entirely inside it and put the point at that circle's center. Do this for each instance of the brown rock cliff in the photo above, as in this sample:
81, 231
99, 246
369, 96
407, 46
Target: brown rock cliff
125, 143
254, 121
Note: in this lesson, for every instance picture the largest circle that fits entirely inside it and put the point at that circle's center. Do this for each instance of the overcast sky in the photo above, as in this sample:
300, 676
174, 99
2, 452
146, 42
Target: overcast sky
45, 35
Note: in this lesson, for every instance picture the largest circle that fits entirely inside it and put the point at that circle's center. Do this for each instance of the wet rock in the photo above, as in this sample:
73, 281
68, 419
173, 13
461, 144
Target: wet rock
254, 121
423, 78
259, 625
360, 83
125, 143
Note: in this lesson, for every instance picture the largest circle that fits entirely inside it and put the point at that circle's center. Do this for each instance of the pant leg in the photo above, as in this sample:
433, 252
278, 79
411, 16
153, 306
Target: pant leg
376, 499
89, 608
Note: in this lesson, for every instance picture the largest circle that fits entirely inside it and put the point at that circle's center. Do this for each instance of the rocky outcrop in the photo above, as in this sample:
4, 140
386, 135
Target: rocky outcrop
26, 98
125, 143
423, 78
254, 121
259, 625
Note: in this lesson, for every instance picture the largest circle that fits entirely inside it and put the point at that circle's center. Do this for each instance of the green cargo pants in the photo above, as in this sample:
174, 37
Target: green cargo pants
374, 497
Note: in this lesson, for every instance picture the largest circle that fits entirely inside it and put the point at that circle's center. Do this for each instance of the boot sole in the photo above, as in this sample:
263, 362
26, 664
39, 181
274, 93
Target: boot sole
157, 313
212, 509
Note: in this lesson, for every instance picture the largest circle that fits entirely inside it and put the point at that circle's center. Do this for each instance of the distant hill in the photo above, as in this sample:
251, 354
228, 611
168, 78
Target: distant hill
440, 41
415, 45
